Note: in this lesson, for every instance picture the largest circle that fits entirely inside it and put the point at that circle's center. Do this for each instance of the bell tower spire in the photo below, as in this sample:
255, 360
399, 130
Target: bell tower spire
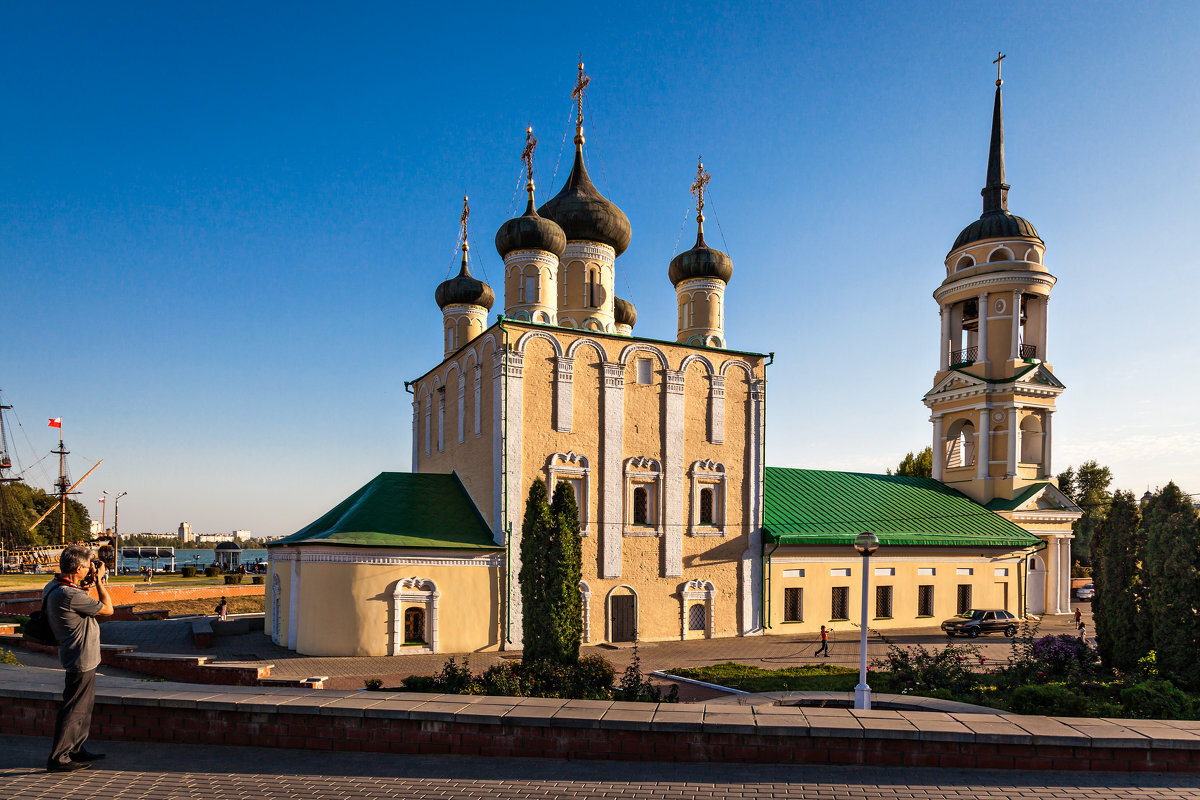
995, 191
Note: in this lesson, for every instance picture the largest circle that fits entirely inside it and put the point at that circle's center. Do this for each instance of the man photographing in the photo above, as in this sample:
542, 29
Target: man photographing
72, 613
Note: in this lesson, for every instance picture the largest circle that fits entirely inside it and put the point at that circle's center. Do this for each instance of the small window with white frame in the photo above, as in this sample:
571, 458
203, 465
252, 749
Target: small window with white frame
708, 499
645, 371
575, 470
643, 492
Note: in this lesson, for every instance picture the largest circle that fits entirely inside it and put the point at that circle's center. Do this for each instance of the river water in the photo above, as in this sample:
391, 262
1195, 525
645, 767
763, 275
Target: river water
200, 558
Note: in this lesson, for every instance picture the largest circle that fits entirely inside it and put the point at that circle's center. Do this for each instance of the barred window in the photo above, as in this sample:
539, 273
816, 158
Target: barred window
793, 605
964, 598
925, 600
696, 617
883, 601
641, 506
841, 603
706, 506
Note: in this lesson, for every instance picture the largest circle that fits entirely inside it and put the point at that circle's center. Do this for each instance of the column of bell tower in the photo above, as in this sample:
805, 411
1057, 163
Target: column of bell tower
994, 391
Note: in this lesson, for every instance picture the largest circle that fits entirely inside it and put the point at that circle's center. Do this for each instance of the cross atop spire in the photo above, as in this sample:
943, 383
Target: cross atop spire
698, 186
462, 229
581, 84
527, 156
999, 57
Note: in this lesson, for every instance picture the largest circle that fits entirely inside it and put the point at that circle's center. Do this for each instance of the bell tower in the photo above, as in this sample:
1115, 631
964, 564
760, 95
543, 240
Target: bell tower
994, 392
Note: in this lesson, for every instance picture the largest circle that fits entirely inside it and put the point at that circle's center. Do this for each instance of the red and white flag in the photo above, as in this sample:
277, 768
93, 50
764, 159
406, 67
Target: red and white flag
55, 423
101, 500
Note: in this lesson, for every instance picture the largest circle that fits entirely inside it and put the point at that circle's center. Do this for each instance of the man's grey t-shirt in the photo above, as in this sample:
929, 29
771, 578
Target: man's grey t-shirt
72, 615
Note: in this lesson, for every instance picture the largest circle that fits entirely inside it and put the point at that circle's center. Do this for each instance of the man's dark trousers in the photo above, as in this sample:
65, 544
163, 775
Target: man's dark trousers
75, 715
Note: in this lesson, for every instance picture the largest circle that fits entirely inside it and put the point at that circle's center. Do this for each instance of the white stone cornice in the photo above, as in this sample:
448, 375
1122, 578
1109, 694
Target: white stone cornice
593, 251
989, 279
390, 557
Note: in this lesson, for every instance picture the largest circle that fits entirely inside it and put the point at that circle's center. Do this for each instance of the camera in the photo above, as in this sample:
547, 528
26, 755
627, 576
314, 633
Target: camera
90, 580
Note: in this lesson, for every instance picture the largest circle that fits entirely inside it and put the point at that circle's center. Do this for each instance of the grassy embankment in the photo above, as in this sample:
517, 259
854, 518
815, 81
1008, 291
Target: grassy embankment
807, 678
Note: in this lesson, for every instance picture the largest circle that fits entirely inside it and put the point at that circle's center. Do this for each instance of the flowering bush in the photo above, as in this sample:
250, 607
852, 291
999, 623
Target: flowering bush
1063, 656
920, 670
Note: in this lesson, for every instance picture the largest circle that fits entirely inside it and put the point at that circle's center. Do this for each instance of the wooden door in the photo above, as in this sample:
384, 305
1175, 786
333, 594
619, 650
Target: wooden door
624, 618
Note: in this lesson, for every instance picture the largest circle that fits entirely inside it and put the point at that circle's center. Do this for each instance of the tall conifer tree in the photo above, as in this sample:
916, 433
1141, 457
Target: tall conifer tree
1123, 627
535, 541
1173, 575
564, 571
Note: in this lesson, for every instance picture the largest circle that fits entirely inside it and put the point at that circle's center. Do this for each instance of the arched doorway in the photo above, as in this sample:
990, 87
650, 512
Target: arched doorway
1036, 591
622, 614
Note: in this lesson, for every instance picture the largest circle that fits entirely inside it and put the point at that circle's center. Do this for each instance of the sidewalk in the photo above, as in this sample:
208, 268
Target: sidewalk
187, 772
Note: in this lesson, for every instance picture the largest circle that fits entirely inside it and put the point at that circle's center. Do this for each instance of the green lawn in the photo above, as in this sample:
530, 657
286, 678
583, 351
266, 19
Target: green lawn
808, 678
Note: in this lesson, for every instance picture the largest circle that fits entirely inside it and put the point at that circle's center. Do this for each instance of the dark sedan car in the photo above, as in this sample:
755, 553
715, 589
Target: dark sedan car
976, 621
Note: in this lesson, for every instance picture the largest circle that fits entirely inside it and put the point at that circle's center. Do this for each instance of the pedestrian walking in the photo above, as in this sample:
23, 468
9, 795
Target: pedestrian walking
1078, 616
824, 648
71, 613
222, 609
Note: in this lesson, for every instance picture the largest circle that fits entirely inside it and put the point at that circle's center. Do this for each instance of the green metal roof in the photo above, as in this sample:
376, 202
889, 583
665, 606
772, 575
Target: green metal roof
813, 506
1000, 504
402, 509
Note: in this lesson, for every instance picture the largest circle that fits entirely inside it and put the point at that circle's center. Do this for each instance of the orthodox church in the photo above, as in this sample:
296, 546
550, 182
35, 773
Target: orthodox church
686, 533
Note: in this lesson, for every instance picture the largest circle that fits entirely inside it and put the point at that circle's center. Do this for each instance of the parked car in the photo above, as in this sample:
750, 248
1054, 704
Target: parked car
1086, 592
976, 621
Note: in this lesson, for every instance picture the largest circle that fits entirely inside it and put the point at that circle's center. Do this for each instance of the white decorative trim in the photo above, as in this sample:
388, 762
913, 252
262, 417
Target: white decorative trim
564, 401
391, 558
585, 593
293, 631
281, 554
612, 434
478, 375
739, 363
275, 606
462, 406
707, 474
570, 465
411, 591
523, 342
590, 251
1015, 554
750, 575
952, 287
707, 593
673, 438
637, 347
716, 409
645, 472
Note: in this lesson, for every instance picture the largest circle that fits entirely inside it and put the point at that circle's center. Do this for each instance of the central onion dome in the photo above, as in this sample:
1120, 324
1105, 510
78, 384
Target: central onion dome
463, 289
624, 313
585, 214
701, 261
530, 232
996, 222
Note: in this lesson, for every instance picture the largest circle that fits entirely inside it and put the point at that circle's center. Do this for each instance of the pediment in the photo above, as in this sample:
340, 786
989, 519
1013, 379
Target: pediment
956, 382
1041, 377
1048, 498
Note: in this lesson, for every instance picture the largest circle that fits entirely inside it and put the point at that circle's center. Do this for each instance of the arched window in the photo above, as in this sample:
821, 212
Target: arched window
960, 444
966, 262
641, 506
414, 625
706, 506
1033, 256
1031, 440
1001, 254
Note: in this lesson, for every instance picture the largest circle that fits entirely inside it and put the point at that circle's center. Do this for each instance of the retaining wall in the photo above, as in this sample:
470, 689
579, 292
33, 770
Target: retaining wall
124, 594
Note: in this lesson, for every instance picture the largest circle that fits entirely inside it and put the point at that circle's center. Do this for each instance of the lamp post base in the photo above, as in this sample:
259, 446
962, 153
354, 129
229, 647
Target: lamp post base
862, 697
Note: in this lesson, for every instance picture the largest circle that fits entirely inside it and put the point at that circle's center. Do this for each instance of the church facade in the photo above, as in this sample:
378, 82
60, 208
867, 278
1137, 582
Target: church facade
686, 533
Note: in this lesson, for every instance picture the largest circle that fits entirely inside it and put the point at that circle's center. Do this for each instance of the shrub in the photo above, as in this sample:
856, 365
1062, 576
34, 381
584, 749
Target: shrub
212, 572
920, 671
373, 684
592, 679
1053, 699
234, 579
634, 687
1064, 656
455, 679
188, 572
420, 683
8, 657
258, 579
1154, 699
502, 680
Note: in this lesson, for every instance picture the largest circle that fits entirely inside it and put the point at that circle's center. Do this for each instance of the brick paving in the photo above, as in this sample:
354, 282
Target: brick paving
182, 772
769, 652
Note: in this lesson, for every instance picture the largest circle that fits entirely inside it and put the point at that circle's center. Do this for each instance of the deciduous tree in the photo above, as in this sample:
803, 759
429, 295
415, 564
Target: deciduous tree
916, 466
1087, 488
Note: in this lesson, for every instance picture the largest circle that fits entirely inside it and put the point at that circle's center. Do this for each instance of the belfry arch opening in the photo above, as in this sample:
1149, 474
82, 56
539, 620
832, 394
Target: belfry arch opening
960, 444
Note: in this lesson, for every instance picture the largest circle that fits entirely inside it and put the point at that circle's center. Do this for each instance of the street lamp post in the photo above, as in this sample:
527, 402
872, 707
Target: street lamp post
116, 527
866, 544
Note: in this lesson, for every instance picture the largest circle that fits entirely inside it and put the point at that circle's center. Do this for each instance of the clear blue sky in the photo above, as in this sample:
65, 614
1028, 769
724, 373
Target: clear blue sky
221, 224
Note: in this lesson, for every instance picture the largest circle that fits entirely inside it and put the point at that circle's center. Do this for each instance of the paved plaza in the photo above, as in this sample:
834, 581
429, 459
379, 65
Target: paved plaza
181, 772
769, 652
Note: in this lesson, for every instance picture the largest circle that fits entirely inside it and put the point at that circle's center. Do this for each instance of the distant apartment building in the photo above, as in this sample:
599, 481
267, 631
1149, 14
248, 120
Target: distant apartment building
242, 534
185, 532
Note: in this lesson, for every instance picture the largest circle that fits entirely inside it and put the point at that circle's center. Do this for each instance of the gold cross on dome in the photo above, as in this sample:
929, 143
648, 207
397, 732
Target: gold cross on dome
581, 84
698, 185
999, 57
462, 221
527, 153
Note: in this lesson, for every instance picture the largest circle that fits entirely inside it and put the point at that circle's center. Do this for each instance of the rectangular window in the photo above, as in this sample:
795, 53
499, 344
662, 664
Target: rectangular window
964, 598
793, 605
925, 600
841, 603
885, 571
644, 371
883, 602
793, 573
926, 571
531, 289
966, 571
1001, 572
841, 572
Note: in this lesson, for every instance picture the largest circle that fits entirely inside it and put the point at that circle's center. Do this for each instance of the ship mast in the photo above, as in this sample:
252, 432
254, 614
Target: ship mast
5, 466
63, 486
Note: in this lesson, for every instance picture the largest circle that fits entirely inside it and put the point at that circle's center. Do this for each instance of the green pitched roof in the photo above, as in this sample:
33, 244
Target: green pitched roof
812, 506
402, 509
1000, 504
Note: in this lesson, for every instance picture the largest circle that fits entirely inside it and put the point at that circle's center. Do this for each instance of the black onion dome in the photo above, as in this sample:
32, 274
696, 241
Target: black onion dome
996, 225
623, 312
463, 289
701, 261
585, 214
530, 232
